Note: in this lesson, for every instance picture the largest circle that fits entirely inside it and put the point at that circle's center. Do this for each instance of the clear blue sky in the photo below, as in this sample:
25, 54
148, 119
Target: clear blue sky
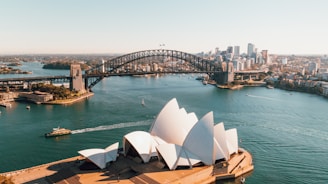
123, 26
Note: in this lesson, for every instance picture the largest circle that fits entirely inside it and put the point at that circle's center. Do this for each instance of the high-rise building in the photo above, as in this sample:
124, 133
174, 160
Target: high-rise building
237, 51
265, 56
313, 67
230, 50
217, 51
250, 50
284, 61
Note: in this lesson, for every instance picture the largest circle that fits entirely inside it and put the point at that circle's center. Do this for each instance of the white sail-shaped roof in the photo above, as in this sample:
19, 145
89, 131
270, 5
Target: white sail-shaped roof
175, 155
221, 148
111, 152
199, 141
101, 157
232, 140
95, 155
173, 124
170, 153
170, 108
142, 142
186, 158
178, 137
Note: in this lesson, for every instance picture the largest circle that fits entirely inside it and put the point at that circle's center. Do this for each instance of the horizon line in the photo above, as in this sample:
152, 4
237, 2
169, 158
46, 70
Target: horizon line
123, 53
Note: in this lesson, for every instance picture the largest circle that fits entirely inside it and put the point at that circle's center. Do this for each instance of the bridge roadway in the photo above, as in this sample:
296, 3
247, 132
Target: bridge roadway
65, 77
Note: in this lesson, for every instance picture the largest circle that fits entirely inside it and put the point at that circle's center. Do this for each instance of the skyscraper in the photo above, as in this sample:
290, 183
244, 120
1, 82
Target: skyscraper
265, 56
237, 51
230, 50
250, 49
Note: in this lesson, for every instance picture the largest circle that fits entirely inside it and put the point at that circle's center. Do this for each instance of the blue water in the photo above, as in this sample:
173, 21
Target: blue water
286, 132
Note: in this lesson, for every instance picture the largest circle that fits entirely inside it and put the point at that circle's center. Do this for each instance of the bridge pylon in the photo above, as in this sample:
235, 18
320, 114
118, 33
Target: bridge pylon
226, 75
76, 83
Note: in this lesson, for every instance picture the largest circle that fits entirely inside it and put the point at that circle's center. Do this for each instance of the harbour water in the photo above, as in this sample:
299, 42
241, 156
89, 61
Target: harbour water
286, 132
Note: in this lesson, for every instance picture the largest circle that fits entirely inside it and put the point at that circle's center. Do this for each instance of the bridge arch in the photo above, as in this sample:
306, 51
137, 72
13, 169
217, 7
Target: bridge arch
109, 67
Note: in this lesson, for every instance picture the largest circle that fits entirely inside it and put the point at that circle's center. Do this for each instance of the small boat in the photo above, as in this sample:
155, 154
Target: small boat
58, 132
270, 87
28, 107
143, 102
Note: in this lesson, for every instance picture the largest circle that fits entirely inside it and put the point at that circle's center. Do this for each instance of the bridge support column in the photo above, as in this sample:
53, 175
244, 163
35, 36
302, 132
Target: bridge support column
223, 77
226, 75
76, 82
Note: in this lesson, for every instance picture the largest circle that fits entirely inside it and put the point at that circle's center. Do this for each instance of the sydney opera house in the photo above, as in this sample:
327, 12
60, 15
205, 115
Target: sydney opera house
178, 148
176, 141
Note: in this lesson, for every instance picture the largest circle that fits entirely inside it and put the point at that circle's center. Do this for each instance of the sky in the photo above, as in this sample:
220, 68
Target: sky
125, 26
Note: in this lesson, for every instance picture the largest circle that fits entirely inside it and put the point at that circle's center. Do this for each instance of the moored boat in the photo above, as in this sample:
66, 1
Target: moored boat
269, 87
58, 132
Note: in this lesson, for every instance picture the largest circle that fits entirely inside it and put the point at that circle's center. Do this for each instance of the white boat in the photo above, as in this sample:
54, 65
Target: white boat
269, 87
143, 102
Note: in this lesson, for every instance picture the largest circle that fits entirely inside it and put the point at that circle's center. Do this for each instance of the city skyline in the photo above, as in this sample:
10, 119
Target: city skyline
92, 27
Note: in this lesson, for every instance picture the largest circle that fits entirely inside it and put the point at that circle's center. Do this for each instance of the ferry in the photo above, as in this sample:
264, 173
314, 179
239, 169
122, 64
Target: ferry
58, 132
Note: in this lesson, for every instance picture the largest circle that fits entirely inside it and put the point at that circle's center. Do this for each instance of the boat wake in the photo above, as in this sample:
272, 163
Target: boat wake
110, 127
263, 97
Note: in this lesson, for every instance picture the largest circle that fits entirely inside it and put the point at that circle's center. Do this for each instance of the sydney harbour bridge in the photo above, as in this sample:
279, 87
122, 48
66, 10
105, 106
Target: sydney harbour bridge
168, 61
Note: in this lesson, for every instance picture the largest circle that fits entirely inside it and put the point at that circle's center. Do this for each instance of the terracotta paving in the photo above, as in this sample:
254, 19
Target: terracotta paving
127, 171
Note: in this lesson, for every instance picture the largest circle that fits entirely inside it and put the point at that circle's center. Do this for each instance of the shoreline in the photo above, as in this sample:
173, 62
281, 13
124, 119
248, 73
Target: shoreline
69, 101
6, 102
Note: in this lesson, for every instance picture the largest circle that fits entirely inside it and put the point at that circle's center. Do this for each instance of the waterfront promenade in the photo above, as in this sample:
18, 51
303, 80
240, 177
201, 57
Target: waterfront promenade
127, 170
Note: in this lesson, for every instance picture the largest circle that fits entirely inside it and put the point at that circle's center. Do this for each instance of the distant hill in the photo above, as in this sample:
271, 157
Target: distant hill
62, 66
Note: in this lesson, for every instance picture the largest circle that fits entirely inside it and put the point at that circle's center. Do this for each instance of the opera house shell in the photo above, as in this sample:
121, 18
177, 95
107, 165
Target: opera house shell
177, 139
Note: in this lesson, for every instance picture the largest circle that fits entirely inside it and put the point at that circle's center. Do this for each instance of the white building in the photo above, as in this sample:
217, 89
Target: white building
284, 61
313, 68
176, 138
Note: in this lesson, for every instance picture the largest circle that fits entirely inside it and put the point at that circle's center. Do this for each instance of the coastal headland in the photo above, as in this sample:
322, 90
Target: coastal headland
7, 98
71, 100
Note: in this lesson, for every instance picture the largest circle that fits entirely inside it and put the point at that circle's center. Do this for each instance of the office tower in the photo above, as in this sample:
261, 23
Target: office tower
265, 56
237, 51
230, 50
250, 49
313, 67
